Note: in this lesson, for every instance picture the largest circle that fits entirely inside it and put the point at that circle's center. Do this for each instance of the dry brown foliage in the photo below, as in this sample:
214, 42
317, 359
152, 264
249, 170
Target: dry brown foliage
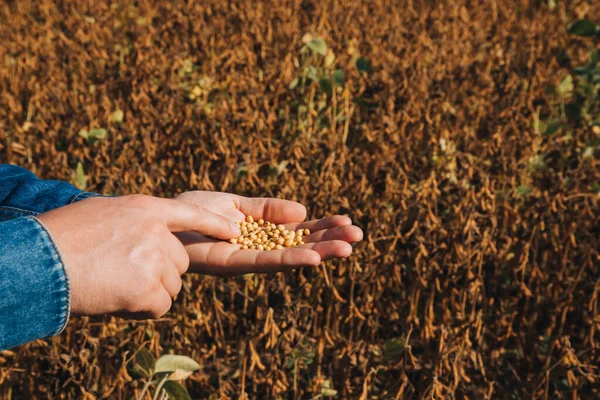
462, 287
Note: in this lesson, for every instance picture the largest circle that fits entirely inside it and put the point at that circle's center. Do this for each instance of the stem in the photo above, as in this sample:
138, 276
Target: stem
295, 379
159, 387
145, 389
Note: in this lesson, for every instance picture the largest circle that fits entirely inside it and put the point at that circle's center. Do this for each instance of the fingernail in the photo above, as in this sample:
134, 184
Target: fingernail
235, 228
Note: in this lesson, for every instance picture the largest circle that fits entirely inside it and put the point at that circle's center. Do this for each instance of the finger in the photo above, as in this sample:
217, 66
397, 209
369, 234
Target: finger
181, 216
157, 306
330, 249
273, 210
254, 261
177, 254
171, 281
347, 233
224, 259
320, 224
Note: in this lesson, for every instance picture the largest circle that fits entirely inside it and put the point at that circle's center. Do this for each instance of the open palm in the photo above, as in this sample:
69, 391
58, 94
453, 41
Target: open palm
330, 237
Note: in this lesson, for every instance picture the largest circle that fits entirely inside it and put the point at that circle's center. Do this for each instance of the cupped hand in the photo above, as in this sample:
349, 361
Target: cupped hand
330, 237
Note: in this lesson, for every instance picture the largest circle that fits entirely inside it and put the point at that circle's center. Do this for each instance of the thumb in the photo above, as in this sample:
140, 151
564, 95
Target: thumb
180, 216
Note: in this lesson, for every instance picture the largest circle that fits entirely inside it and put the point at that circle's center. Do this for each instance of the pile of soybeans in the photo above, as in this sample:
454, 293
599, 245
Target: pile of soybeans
264, 236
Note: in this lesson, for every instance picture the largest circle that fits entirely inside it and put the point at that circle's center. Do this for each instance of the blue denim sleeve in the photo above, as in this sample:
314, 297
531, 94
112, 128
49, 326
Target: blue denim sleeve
34, 285
22, 193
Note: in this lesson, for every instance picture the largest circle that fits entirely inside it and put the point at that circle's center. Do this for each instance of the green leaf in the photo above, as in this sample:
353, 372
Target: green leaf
363, 64
329, 59
327, 392
393, 349
80, 178
594, 58
179, 375
583, 27
326, 86
311, 72
538, 125
317, 46
580, 71
294, 83
143, 363
97, 134
524, 190
83, 133
338, 77
171, 362
176, 391
551, 127
565, 86
277, 170
118, 116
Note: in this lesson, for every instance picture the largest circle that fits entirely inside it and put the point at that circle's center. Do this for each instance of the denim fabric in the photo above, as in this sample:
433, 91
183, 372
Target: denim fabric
33, 282
22, 193
34, 285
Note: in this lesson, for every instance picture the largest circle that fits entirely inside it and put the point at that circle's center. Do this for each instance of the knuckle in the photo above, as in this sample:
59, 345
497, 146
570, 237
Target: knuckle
155, 257
148, 282
154, 227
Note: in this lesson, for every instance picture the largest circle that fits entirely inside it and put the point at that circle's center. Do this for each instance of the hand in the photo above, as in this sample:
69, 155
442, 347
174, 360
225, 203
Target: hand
120, 254
330, 237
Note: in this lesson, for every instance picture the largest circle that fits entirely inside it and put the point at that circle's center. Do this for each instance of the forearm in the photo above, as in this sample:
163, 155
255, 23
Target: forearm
34, 286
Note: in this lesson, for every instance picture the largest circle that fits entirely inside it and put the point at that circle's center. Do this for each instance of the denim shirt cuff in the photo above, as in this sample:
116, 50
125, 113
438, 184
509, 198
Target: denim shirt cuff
84, 195
36, 295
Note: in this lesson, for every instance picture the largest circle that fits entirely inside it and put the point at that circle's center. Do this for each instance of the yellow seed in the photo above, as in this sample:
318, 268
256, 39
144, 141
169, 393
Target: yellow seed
301, 242
298, 239
254, 225
253, 247
247, 242
280, 240
258, 240
261, 221
306, 232
245, 247
249, 219
233, 241
240, 240
285, 232
271, 245
280, 228
260, 247
288, 243
278, 246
